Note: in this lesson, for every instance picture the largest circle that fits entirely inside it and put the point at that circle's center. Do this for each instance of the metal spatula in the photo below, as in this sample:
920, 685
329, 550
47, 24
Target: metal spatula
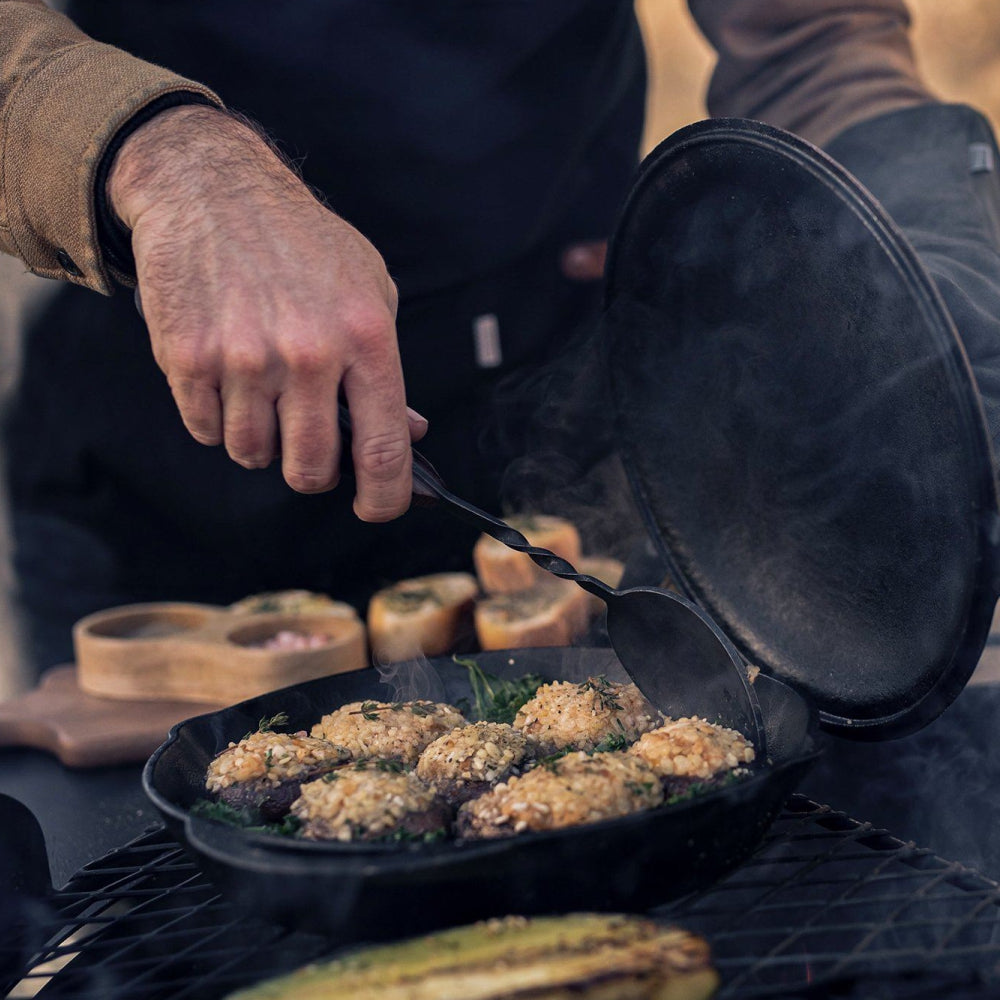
675, 654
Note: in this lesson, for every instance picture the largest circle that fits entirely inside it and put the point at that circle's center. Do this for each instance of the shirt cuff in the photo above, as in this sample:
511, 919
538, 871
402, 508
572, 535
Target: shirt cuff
812, 68
113, 236
61, 119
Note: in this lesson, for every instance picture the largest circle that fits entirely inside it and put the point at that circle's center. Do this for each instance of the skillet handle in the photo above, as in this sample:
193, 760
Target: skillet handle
427, 484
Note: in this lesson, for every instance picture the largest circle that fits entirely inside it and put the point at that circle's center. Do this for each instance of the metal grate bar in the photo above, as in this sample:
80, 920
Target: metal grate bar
827, 897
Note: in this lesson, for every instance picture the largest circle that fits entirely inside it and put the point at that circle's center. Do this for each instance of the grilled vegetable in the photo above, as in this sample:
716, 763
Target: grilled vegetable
552, 958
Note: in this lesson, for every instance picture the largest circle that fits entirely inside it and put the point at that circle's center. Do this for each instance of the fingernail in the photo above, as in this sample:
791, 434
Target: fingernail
415, 418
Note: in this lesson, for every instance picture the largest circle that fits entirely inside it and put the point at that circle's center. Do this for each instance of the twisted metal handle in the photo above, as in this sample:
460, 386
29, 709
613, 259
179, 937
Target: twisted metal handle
429, 487
432, 486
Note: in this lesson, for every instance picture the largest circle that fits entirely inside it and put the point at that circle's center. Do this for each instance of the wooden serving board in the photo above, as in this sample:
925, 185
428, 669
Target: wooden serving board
84, 730
173, 651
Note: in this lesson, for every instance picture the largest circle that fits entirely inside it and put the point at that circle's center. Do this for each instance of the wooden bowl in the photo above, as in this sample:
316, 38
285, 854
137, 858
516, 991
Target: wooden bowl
204, 653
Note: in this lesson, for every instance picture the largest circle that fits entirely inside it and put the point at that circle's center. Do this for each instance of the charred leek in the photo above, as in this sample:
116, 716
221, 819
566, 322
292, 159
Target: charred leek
552, 958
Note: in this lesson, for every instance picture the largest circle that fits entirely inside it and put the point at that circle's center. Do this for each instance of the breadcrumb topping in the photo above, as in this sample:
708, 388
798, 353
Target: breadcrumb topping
571, 790
362, 801
580, 716
693, 748
390, 730
271, 758
482, 752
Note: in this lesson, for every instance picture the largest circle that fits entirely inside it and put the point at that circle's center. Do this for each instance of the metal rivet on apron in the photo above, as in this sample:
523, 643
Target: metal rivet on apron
980, 158
486, 336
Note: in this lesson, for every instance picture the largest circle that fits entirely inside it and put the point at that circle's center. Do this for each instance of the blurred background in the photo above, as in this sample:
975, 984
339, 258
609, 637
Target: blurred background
958, 45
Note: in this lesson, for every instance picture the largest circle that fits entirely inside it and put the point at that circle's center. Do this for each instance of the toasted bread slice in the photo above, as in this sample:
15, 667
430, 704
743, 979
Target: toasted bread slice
502, 570
552, 613
291, 602
424, 615
607, 570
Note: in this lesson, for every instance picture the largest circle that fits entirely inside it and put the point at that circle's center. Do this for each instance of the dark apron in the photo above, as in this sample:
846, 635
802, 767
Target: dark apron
456, 135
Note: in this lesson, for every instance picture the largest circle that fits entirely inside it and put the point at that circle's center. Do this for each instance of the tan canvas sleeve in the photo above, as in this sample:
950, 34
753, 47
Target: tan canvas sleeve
62, 98
813, 67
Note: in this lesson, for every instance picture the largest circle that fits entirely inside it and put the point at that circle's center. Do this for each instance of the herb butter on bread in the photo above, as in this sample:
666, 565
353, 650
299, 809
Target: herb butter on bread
552, 613
502, 570
292, 602
422, 616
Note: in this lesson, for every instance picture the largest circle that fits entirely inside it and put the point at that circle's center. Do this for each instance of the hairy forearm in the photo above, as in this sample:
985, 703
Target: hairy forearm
192, 153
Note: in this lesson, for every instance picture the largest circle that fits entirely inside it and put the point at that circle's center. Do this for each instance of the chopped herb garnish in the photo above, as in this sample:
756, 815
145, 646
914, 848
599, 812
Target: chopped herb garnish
639, 787
406, 601
551, 762
398, 836
611, 743
269, 725
380, 764
245, 819
222, 813
495, 699
269, 756
370, 709
709, 785
690, 792
405, 836
604, 692
288, 827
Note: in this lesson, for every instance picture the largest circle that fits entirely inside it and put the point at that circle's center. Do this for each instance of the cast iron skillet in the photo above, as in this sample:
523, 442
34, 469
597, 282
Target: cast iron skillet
365, 892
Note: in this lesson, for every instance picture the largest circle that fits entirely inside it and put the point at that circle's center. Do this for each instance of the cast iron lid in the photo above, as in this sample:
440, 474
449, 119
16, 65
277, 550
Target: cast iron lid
801, 426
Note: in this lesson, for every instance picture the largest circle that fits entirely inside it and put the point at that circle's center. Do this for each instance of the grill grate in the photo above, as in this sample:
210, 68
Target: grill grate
826, 905
830, 900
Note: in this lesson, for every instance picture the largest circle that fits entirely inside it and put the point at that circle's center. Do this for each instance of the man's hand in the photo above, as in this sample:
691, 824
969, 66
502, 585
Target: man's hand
261, 304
